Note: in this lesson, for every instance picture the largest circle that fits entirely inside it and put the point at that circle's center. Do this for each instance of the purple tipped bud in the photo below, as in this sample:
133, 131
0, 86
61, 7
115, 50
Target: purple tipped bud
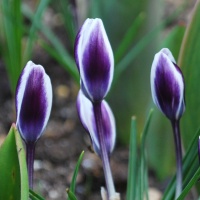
94, 58
33, 102
167, 85
87, 117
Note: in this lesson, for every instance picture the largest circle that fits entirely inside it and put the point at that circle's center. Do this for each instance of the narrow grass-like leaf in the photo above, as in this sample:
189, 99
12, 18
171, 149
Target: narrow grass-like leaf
68, 20
57, 47
33, 30
141, 169
129, 37
189, 158
61, 60
11, 27
73, 182
35, 196
146, 128
135, 50
174, 40
144, 168
143, 174
189, 60
13, 173
132, 166
71, 195
22, 164
190, 185
194, 165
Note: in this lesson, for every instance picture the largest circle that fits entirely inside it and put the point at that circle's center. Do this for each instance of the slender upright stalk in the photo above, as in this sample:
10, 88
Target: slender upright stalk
30, 154
178, 148
199, 148
104, 154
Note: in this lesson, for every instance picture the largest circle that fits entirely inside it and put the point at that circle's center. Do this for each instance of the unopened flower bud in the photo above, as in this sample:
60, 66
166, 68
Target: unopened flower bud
167, 85
33, 102
94, 59
87, 117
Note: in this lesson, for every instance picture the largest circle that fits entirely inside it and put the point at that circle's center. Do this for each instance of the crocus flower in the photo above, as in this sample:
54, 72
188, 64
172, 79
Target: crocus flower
167, 85
94, 59
33, 106
95, 62
87, 117
33, 102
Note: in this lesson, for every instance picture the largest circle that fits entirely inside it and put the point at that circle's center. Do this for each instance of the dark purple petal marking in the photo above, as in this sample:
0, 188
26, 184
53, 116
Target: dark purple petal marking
77, 41
86, 114
34, 106
107, 128
33, 102
96, 63
94, 59
168, 87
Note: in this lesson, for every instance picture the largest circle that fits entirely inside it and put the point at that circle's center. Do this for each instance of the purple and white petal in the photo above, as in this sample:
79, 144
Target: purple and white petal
167, 52
167, 85
33, 102
87, 118
94, 58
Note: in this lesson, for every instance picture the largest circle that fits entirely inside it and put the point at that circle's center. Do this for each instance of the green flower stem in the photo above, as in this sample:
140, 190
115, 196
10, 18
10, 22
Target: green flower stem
199, 149
177, 140
30, 154
104, 154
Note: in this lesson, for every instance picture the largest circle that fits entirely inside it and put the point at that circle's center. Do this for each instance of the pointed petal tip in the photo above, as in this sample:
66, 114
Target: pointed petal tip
167, 52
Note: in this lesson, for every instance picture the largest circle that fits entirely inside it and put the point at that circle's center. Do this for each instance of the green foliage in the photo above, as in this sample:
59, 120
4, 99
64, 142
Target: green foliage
16, 49
190, 167
11, 37
35, 196
189, 60
137, 185
174, 40
33, 29
71, 195
132, 167
129, 37
71, 191
13, 173
187, 189
54, 46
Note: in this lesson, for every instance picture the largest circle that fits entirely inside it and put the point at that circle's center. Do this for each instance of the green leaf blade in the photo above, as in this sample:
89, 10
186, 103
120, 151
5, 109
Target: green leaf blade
13, 173
189, 60
35, 196
71, 190
132, 166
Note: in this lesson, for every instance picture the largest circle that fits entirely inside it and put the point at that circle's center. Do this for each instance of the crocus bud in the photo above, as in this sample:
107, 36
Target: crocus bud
33, 102
167, 85
87, 117
94, 59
